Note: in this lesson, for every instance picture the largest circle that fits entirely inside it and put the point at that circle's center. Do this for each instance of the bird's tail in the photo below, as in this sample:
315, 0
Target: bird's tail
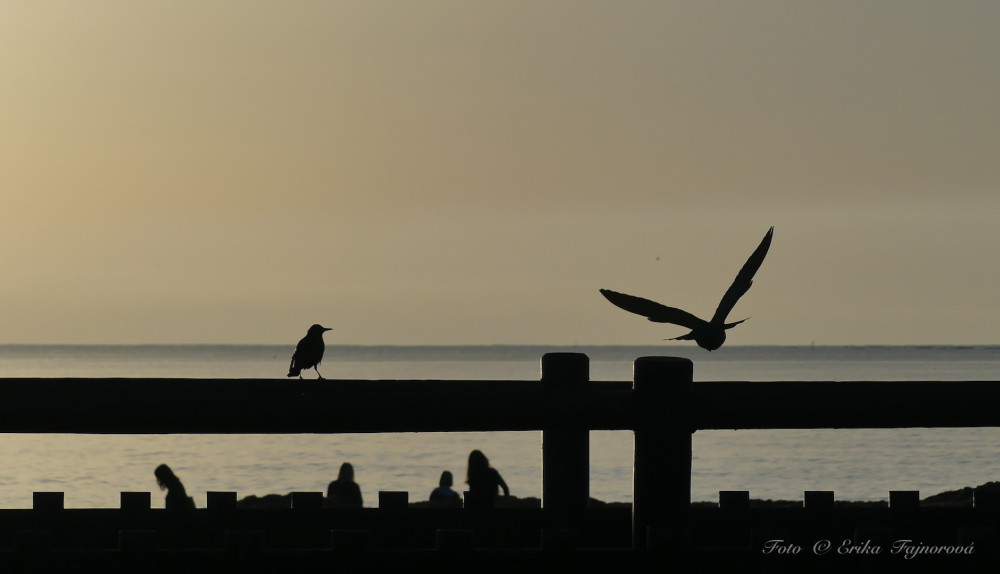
687, 337
293, 371
731, 325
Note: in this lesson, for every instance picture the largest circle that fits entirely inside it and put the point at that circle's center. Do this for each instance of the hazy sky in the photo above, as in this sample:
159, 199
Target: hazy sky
473, 171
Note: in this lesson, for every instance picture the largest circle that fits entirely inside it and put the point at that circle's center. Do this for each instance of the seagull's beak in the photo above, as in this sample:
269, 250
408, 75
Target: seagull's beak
327, 329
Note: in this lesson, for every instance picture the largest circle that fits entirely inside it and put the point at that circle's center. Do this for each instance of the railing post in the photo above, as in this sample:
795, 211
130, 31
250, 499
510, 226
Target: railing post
661, 497
565, 446
135, 501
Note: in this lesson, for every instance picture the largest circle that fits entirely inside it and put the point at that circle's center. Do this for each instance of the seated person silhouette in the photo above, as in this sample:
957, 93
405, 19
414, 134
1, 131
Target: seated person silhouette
344, 492
444, 493
177, 498
483, 482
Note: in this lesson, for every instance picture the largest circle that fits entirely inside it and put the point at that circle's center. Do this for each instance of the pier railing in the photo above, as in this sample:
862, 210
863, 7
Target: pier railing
662, 406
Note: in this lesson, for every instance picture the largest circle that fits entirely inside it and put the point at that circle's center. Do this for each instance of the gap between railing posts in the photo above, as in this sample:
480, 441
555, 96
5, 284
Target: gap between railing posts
661, 491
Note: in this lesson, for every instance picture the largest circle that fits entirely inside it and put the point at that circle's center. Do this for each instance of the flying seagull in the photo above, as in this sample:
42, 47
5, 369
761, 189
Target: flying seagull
709, 335
309, 352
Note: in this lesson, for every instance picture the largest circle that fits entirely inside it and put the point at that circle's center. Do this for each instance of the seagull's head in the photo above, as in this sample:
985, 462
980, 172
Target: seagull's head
318, 329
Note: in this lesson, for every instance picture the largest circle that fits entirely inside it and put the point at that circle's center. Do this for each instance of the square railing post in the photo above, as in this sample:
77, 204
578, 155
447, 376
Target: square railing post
565, 445
661, 497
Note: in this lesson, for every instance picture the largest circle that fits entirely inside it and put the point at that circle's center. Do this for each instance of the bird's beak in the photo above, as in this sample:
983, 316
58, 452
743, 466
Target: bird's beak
327, 328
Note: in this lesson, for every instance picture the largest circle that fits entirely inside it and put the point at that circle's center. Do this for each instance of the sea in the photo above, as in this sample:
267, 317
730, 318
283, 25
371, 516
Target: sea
857, 464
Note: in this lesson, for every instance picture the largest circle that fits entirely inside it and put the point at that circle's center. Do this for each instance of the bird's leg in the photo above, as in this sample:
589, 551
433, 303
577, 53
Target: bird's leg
318, 373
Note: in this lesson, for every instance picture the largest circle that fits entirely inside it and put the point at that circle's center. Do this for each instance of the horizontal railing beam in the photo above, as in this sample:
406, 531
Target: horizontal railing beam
843, 404
138, 406
208, 406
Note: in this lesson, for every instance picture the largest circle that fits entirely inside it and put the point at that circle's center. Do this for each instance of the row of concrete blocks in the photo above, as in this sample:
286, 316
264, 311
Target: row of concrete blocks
219, 500
818, 499
395, 500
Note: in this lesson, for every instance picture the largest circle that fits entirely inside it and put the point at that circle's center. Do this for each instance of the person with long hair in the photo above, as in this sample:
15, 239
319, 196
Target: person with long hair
344, 492
483, 481
177, 498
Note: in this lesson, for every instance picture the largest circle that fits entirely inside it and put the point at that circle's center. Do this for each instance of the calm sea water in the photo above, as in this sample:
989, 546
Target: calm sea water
857, 464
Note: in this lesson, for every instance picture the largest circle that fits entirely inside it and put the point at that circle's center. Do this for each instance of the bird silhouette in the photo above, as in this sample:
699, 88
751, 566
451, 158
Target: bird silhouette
709, 335
309, 352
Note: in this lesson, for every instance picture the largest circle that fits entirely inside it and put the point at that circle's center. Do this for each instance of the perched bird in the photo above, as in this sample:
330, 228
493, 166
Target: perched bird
309, 352
709, 335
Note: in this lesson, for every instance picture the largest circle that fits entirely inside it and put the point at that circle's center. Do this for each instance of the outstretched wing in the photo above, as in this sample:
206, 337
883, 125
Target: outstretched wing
652, 310
743, 281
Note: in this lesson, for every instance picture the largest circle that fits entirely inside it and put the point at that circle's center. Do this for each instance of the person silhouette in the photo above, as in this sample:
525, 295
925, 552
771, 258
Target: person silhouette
344, 492
444, 491
177, 498
483, 481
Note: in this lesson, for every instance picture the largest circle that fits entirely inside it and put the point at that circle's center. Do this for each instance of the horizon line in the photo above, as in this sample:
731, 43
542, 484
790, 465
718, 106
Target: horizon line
481, 345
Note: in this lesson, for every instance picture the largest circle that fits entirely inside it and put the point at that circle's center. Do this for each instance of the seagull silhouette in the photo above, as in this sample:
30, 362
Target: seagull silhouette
309, 352
709, 335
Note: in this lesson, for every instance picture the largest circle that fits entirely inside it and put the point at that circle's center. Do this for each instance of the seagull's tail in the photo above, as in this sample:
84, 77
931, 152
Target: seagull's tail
688, 337
731, 325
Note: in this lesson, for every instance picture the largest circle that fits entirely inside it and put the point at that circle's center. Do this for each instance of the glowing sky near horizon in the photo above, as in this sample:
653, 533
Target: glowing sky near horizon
447, 172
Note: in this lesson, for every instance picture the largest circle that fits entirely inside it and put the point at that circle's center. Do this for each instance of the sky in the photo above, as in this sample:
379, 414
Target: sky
472, 172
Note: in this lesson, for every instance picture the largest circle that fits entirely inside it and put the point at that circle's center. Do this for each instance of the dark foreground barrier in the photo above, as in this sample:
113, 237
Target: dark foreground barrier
304, 535
661, 531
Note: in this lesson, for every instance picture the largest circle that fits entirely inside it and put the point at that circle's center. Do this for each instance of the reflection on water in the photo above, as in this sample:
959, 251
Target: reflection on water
93, 469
